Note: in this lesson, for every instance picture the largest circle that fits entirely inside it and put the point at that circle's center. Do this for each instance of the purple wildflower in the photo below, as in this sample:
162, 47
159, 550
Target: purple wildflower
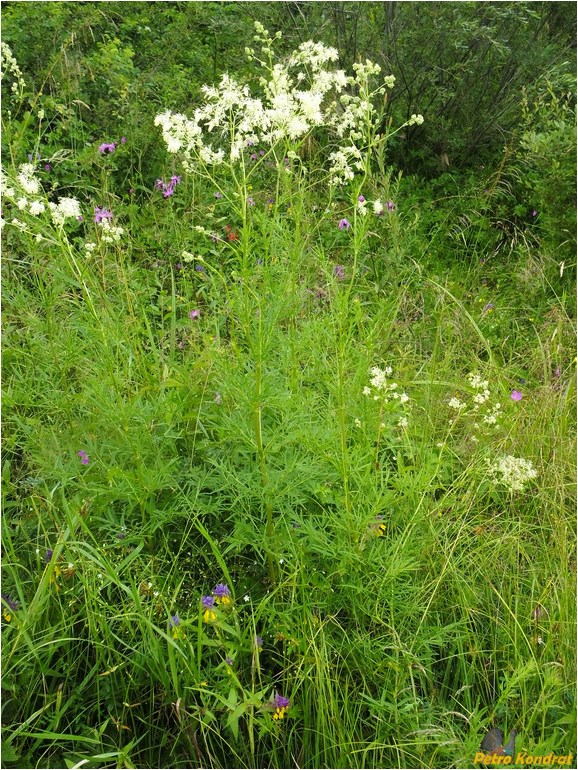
194, 314
229, 661
281, 702
258, 641
105, 147
208, 602
516, 395
174, 621
489, 307
199, 268
12, 603
47, 167
84, 459
339, 272
123, 140
534, 213
250, 201
253, 156
221, 590
343, 224
167, 188
390, 205
218, 195
100, 214
48, 555
181, 345
131, 190
360, 199
261, 152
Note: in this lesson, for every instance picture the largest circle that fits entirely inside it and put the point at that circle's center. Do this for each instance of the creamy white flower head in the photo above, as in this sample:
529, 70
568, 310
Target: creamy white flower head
415, 120
27, 180
110, 233
8, 64
512, 472
66, 208
37, 207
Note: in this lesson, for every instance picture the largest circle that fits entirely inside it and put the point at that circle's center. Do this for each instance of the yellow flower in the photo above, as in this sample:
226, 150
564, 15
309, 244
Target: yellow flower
209, 616
224, 600
279, 713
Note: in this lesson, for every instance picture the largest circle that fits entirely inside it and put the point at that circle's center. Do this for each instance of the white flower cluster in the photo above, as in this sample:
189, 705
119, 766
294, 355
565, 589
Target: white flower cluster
298, 95
512, 472
381, 389
9, 65
481, 408
416, 120
109, 233
481, 386
66, 208
25, 191
342, 164
27, 180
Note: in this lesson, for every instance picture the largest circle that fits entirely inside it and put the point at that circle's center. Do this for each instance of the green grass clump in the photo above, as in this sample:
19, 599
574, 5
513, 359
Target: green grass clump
239, 391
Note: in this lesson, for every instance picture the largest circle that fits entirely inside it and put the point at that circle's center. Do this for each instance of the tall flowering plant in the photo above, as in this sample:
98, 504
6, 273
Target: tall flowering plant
303, 94
237, 130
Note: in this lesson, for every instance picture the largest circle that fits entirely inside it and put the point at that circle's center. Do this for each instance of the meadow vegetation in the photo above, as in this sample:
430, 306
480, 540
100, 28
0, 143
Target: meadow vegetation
288, 471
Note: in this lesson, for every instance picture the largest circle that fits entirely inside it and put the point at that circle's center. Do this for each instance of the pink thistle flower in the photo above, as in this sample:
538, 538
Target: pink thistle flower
516, 395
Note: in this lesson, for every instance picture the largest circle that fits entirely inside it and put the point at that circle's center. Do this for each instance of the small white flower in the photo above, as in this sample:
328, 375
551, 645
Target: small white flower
37, 207
403, 422
22, 203
455, 403
366, 391
378, 207
404, 398
357, 422
512, 472
246, 598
